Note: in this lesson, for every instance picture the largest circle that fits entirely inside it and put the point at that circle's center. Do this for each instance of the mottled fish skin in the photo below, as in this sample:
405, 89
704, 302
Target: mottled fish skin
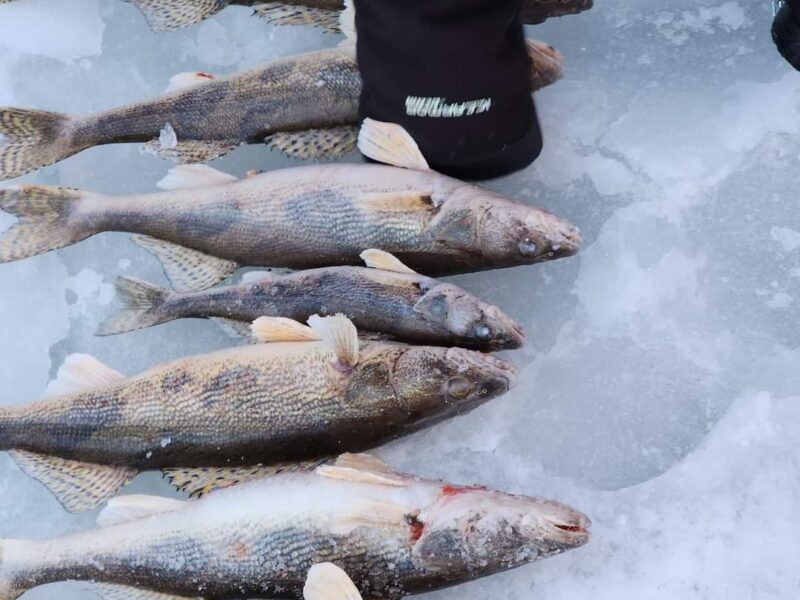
314, 95
258, 540
406, 306
307, 217
262, 404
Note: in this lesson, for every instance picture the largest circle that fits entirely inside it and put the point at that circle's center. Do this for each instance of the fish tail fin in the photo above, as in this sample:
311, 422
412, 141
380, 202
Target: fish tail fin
171, 15
46, 220
32, 139
8, 591
141, 303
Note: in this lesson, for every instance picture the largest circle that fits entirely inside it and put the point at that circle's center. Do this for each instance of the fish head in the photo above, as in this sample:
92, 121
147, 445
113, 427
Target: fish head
494, 231
473, 323
476, 531
436, 383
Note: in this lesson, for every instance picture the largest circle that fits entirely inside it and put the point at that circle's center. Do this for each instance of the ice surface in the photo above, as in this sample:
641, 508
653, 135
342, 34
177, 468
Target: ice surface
660, 390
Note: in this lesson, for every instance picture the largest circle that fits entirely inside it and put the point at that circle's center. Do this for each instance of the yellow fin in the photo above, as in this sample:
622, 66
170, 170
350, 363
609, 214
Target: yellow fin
77, 486
326, 581
362, 468
391, 144
187, 270
340, 332
378, 259
82, 373
125, 509
281, 329
192, 177
204, 480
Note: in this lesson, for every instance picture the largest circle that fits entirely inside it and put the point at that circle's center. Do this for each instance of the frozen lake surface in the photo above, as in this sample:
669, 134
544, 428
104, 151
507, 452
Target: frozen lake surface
660, 391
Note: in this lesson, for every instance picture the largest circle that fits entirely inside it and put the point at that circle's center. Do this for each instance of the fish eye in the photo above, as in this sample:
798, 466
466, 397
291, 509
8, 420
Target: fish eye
527, 247
482, 331
458, 387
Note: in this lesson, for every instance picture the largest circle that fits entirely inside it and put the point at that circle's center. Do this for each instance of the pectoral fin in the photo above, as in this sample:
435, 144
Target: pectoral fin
279, 13
202, 481
187, 270
340, 332
326, 581
77, 486
194, 176
391, 144
123, 592
378, 259
315, 143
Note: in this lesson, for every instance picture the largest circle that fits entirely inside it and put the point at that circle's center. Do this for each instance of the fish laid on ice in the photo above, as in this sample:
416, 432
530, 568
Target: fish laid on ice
299, 218
309, 394
305, 106
393, 534
388, 298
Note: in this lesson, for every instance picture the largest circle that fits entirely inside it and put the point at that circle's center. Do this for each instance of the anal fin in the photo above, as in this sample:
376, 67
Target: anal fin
123, 592
201, 481
187, 270
279, 13
315, 143
77, 486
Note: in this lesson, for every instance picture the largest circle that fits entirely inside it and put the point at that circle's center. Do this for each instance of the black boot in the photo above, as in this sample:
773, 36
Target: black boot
786, 32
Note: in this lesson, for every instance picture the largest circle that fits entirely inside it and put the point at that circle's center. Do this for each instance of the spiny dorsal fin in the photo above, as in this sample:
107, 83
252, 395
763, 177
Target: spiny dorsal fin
340, 332
126, 509
187, 270
315, 143
281, 329
77, 486
326, 581
110, 591
378, 259
188, 79
362, 468
82, 373
201, 481
391, 144
280, 13
171, 15
192, 177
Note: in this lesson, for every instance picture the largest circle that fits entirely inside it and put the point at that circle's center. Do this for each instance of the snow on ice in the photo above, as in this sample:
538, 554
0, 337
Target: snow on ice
660, 390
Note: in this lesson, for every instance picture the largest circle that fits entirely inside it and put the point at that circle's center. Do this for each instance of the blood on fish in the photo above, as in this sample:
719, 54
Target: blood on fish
417, 527
453, 490
205, 75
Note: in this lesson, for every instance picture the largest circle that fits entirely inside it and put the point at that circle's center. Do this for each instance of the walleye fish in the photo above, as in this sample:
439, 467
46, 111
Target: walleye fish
387, 297
305, 106
393, 534
309, 394
300, 218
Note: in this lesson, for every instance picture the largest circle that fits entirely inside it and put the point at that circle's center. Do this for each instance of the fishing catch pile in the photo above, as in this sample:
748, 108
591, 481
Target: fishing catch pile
351, 342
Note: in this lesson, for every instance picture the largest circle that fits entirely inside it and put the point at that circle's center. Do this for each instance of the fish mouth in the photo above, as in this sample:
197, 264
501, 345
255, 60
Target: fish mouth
569, 528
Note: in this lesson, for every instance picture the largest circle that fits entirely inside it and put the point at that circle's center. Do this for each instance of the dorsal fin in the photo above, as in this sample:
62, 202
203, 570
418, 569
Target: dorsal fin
378, 259
362, 468
391, 144
326, 581
82, 373
77, 486
281, 329
192, 177
188, 79
340, 332
126, 509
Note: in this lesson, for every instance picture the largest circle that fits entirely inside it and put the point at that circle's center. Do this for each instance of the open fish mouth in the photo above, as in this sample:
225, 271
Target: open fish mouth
569, 528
